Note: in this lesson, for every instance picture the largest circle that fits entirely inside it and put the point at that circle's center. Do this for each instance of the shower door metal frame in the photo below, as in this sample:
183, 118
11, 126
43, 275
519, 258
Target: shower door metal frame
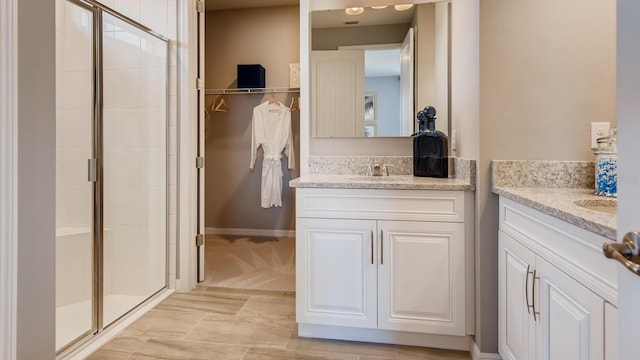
97, 324
200, 151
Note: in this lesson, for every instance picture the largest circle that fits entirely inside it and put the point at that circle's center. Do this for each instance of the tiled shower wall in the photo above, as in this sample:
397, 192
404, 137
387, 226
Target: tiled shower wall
73, 67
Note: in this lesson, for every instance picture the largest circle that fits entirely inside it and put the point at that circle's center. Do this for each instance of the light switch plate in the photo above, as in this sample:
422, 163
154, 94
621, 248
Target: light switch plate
598, 130
454, 140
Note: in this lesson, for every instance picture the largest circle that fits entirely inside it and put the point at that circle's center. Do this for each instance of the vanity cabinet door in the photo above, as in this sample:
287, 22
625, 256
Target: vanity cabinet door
421, 277
516, 335
336, 272
571, 321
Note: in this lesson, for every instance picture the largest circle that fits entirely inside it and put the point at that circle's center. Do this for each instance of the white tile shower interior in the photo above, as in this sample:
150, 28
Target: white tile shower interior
135, 136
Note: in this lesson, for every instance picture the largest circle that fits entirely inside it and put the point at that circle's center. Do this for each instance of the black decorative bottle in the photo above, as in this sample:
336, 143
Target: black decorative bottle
430, 147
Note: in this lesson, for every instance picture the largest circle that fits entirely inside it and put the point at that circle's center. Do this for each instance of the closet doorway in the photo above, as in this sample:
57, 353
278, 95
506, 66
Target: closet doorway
249, 246
111, 168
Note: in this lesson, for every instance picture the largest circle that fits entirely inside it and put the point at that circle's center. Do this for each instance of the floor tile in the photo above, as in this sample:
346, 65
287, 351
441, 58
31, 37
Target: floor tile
283, 308
265, 263
204, 301
242, 331
120, 347
183, 350
342, 347
277, 354
164, 324
415, 352
243, 293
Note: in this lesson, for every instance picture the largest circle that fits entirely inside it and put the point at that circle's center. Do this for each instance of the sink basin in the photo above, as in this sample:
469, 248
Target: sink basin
391, 178
608, 206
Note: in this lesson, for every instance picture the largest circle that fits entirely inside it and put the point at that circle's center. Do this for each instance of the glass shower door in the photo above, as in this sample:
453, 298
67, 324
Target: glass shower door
75, 307
134, 143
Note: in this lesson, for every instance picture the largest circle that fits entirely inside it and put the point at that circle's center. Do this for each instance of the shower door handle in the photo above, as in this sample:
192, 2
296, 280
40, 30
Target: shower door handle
92, 168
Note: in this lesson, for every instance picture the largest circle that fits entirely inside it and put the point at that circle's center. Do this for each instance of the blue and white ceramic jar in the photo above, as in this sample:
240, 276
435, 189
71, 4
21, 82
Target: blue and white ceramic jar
607, 166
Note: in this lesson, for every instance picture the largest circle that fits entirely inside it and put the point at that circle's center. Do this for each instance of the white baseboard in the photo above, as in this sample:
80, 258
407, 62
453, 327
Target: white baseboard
477, 355
250, 232
112, 331
384, 336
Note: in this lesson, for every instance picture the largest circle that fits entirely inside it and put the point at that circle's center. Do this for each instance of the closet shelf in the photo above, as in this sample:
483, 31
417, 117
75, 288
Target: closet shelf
251, 91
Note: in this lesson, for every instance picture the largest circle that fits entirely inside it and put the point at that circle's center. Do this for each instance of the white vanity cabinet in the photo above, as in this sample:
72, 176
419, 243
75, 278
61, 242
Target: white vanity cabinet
390, 261
554, 287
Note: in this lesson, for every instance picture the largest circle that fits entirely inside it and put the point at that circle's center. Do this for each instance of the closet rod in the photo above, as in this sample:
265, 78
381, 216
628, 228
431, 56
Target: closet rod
250, 91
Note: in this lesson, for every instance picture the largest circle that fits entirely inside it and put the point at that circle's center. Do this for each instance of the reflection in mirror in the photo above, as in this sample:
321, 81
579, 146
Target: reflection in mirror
396, 60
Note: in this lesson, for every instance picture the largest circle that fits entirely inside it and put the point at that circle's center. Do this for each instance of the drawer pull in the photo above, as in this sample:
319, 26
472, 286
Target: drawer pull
372, 247
533, 287
526, 289
381, 248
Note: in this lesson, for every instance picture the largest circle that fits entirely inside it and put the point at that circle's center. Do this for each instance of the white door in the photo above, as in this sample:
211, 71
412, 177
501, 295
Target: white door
336, 272
337, 88
406, 84
569, 319
628, 106
417, 261
516, 338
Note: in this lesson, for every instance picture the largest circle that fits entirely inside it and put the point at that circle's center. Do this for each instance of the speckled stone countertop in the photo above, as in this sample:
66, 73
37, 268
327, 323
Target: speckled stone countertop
393, 182
347, 172
554, 198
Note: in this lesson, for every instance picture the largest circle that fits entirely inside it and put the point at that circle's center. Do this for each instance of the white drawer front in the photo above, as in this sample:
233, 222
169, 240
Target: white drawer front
411, 205
574, 250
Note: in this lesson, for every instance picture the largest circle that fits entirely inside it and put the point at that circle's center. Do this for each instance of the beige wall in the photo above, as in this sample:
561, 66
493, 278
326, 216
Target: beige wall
267, 36
547, 69
36, 178
441, 66
331, 38
425, 58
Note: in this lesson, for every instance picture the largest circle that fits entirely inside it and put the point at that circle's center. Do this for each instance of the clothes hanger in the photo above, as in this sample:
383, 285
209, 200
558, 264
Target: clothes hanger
272, 99
294, 104
222, 106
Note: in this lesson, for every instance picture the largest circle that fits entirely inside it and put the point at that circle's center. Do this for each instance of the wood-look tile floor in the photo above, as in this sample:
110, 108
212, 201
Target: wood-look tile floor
217, 323
250, 262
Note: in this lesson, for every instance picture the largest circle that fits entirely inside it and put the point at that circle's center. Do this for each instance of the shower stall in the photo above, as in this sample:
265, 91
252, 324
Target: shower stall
111, 168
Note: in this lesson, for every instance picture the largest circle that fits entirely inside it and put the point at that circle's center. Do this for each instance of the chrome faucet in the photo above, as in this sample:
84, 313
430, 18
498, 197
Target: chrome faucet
378, 170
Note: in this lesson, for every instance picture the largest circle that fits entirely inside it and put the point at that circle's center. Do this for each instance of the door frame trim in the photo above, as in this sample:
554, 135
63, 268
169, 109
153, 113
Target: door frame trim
8, 177
186, 253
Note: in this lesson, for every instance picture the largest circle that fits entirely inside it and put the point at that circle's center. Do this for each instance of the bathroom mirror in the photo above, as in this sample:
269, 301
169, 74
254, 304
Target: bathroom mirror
373, 70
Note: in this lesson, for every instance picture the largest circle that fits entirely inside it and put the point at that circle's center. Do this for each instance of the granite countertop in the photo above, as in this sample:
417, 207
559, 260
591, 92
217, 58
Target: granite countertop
560, 203
393, 182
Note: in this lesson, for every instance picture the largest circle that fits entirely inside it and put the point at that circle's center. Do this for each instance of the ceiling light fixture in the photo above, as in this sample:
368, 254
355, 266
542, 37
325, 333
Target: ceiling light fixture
380, 7
403, 7
354, 10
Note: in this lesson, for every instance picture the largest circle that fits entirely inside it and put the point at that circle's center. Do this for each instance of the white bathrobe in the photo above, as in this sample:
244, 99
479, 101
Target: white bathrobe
271, 129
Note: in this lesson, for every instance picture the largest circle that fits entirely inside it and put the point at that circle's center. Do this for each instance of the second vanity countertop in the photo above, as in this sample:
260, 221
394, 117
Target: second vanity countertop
562, 189
561, 203
392, 182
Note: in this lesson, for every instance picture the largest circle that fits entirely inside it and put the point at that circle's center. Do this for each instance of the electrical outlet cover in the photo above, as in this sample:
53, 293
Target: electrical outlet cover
598, 130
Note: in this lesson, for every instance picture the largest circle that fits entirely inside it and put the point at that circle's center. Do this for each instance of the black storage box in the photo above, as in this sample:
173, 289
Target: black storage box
251, 76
